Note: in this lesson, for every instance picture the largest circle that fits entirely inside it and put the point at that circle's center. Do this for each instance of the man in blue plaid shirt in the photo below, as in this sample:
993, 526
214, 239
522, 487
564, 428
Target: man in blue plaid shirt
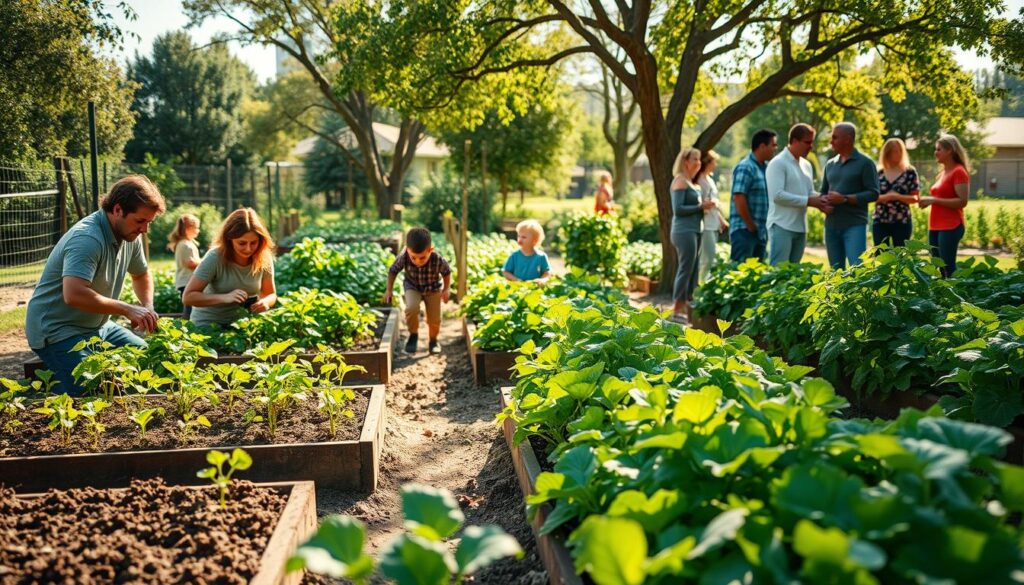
748, 216
427, 278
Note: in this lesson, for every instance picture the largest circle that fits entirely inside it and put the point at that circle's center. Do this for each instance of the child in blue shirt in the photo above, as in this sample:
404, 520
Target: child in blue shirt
528, 263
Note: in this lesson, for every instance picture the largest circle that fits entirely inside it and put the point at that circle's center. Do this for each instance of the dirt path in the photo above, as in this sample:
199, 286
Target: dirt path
441, 432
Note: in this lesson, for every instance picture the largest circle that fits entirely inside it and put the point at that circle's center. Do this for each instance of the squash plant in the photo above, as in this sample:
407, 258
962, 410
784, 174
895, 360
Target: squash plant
419, 556
680, 457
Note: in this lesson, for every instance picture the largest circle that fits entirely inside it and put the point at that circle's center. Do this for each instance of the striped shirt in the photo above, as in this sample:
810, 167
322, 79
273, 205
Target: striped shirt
426, 278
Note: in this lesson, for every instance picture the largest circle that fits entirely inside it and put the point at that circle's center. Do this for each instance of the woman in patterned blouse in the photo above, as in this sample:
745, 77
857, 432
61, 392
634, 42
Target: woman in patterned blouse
899, 188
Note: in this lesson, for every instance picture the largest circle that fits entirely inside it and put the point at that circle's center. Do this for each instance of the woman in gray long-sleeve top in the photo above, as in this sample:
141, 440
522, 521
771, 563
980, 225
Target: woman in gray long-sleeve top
687, 215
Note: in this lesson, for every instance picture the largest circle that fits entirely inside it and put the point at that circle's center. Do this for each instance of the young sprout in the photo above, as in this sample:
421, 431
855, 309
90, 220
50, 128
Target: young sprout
239, 460
188, 424
90, 411
10, 403
232, 378
45, 382
63, 415
332, 402
143, 417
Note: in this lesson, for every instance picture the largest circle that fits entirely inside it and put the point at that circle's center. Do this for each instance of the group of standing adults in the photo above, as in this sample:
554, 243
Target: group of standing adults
771, 195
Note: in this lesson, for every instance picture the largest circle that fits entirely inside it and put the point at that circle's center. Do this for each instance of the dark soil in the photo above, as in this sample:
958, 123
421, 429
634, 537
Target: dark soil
147, 533
300, 423
441, 432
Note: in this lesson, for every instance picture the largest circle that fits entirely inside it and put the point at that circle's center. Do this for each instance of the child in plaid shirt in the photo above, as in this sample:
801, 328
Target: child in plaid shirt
427, 278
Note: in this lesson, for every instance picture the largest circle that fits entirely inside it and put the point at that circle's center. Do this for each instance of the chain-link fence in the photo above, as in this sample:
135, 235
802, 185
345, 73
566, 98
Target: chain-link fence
30, 222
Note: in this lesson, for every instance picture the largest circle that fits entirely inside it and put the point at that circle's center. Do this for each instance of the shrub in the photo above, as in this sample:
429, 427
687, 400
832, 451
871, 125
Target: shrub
643, 259
593, 243
640, 213
209, 216
444, 193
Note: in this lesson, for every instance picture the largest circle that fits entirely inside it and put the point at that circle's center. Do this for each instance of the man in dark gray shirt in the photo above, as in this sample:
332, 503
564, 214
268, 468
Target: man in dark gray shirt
81, 282
849, 183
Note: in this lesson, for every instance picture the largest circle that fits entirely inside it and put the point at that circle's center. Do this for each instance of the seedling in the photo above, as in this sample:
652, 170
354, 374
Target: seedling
90, 411
143, 382
239, 460
189, 386
332, 402
63, 415
333, 368
232, 379
421, 555
143, 417
45, 382
278, 386
188, 424
10, 403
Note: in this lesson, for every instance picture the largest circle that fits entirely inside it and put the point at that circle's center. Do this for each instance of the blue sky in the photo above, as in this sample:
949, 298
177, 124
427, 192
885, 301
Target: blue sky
156, 17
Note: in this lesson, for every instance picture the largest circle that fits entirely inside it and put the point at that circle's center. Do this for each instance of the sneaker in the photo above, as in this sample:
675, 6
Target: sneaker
413, 341
434, 346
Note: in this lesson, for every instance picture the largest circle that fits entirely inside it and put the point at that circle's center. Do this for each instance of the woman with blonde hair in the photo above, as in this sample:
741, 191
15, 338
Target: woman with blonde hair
237, 273
182, 241
948, 198
603, 197
687, 214
714, 224
899, 187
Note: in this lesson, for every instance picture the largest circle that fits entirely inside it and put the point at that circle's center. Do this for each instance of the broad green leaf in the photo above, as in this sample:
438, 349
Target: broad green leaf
997, 406
577, 464
720, 530
653, 513
1011, 482
611, 550
697, 407
662, 441
431, 513
817, 491
482, 545
413, 560
974, 438
336, 550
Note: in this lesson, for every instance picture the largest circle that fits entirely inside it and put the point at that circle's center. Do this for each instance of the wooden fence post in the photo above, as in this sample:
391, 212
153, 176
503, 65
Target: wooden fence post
60, 217
230, 207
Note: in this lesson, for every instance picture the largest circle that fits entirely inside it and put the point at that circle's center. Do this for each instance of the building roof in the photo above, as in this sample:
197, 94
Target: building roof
1004, 132
387, 136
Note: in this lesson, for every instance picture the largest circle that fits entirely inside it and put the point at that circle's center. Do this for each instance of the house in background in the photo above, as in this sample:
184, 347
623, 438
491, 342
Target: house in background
1002, 174
430, 154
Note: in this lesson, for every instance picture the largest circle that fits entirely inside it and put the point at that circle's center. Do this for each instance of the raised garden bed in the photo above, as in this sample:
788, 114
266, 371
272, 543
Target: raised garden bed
352, 463
376, 358
556, 558
153, 533
643, 284
391, 242
488, 366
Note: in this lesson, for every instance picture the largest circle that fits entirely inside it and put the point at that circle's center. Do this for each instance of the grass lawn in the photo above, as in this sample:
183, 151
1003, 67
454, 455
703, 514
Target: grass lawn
12, 320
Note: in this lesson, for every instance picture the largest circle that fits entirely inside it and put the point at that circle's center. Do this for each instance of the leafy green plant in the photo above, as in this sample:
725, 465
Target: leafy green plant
175, 341
345, 230
11, 404
643, 259
776, 316
331, 365
485, 255
593, 243
63, 415
420, 556
102, 368
278, 386
190, 384
232, 379
239, 460
190, 423
332, 402
982, 229
677, 456
90, 412
44, 382
359, 269
141, 383
143, 417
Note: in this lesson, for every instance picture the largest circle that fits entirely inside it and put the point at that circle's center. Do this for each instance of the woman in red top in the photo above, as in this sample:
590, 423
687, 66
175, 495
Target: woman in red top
948, 198
603, 197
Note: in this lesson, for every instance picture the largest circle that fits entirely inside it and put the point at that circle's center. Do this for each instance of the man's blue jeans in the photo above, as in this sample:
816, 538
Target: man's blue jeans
747, 245
845, 245
59, 358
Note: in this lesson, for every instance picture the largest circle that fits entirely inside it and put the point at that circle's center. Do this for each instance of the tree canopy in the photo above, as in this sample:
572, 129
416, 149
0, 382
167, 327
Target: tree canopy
668, 55
189, 102
52, 66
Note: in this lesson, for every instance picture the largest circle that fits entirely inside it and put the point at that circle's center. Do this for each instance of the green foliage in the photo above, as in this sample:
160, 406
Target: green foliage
53, 55
485, 255
143, 417
358, 268
11, 404
306, 318
643, 259
239, 460
417, 557
63, 415
775, 317
640, 213
189, 102
677, 456
210, 219
593, 243
162, 175
346, 230
444, 194
166, 298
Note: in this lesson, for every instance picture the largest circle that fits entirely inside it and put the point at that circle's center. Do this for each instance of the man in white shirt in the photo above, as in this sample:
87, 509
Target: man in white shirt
790, 180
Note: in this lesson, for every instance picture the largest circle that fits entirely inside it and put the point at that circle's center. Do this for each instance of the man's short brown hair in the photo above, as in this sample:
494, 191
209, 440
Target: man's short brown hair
799, 132
133, 192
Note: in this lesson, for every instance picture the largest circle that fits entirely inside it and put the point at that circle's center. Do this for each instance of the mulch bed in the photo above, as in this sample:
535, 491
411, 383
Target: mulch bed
300, 423
147, 533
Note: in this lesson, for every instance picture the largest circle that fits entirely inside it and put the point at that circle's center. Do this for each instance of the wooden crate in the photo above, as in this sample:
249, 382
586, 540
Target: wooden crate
488, 366
352, 465
376, 361
553, 553
643, 284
